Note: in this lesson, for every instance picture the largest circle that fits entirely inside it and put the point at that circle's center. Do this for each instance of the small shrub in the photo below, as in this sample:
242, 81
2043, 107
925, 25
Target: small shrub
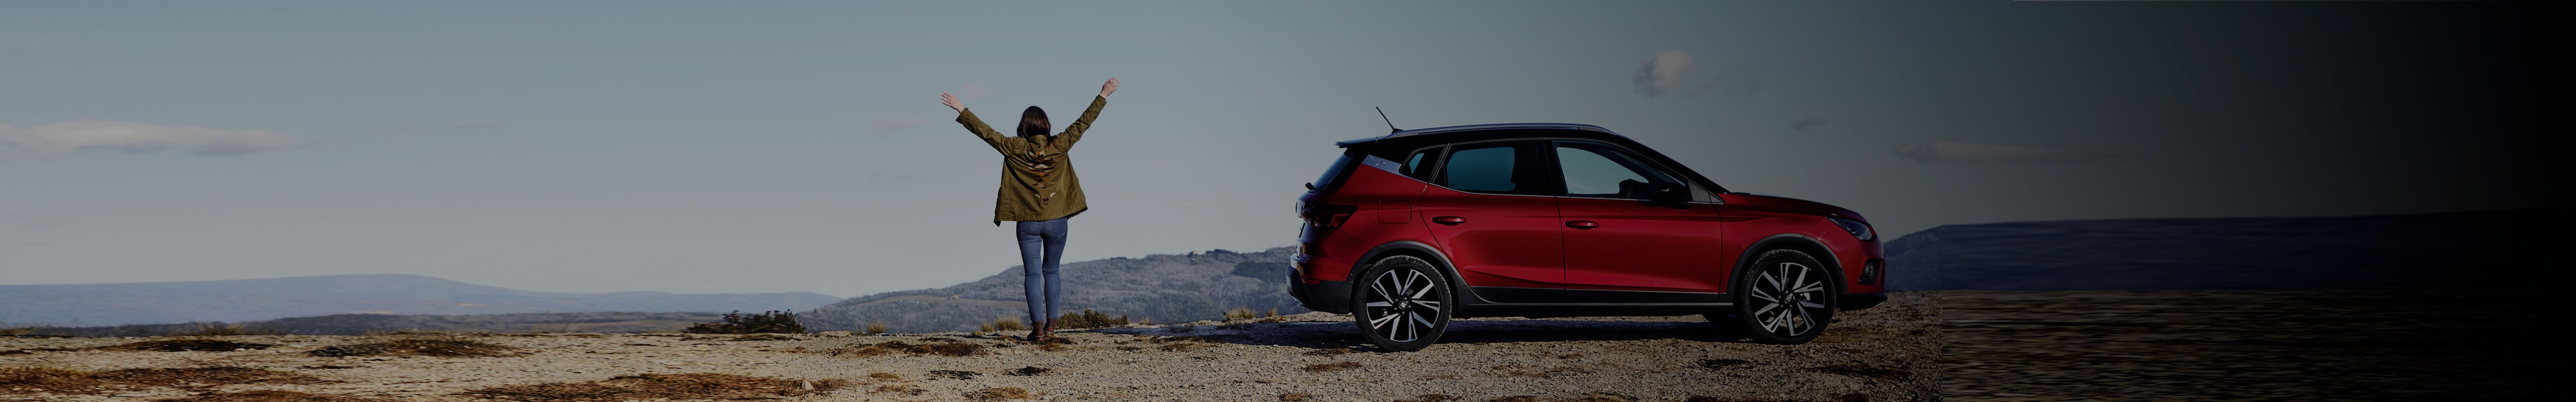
1274, 312
222, 329
1324, 367
270, 396
1240, 313
1088, 319
876, 327
184, 345
663, 386
885, 376
962, 375
1008, 324
1027, 371
440, 347
774, 322
952, 348
19, 331
1000, 394
1296, 397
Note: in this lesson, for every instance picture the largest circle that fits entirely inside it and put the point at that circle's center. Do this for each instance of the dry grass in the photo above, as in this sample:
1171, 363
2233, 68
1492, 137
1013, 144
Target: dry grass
663, 386
1593, 397
955, 374
1324, 367
942, 348
764, 337
876, 327
1329, 352
222, 329
885, 376
1000, 394
899, 389
1027, 371
184, 345
439, 347
1855, 370
33, 350
271, 396
20, 331
59, 380
45, 379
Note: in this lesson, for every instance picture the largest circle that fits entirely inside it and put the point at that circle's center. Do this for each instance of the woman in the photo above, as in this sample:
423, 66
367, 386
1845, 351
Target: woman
1038, 191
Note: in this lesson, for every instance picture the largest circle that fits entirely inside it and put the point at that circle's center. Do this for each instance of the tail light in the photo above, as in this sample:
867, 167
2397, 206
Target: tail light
1327, 215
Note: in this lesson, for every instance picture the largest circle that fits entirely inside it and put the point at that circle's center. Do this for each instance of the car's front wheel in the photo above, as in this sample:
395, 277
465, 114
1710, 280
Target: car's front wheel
1401, 303
1786, 297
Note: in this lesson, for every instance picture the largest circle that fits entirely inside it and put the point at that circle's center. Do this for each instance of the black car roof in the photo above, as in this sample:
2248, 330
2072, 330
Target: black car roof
1481, 127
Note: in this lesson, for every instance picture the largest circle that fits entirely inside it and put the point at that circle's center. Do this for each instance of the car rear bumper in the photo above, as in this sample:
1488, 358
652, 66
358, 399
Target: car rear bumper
1860, 301
1325, 296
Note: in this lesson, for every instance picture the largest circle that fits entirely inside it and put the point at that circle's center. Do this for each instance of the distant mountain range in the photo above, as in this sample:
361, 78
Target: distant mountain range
263, 299
1162, 287
2488, 248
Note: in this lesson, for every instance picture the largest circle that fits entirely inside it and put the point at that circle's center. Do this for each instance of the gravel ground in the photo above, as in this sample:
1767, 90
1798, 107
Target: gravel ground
1881, 354
2240, 345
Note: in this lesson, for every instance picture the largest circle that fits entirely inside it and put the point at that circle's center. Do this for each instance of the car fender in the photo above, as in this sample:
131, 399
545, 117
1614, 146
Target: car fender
1448, 271
1745, 259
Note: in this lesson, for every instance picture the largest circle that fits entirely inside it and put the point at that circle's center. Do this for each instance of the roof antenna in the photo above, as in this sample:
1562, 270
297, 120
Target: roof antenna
1390, 124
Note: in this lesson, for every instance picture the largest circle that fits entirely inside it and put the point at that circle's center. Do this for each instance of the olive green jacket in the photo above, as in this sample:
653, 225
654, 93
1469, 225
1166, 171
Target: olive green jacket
1037, 177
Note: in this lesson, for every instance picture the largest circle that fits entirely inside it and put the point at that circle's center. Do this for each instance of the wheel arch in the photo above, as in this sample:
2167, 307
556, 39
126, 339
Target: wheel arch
1426, 252
1789, 241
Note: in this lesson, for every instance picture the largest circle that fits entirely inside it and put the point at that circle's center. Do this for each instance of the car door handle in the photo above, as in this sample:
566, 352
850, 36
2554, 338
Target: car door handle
1582, 224
1449, 220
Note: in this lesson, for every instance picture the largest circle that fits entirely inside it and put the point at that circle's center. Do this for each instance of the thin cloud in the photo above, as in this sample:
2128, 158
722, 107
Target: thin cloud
1662, 74
1962, 152
134, 137
1671, 72
889, 124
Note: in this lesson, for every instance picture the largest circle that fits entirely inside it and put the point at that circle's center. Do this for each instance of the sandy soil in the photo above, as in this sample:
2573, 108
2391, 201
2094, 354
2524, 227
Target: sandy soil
1883, 354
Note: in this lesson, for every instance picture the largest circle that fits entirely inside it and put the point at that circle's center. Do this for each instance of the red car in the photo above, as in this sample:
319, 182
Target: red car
1411, 229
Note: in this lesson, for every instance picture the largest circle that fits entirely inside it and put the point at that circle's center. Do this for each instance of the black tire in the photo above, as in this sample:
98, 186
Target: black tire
1786, 297
1401, 303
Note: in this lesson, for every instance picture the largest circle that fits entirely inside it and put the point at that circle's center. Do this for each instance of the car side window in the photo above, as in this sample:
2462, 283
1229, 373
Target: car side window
1418, 166
1499, 167
1596, 170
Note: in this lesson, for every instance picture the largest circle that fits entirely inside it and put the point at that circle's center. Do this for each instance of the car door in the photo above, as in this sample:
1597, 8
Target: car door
1491, 211
1624, 244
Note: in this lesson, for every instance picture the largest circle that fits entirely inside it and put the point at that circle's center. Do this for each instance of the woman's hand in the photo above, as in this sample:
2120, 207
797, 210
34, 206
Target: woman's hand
1108, 87
951, 101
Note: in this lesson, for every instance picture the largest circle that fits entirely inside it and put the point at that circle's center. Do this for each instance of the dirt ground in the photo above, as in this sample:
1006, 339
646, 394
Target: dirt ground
2244, 345
1882, 354
2285, 345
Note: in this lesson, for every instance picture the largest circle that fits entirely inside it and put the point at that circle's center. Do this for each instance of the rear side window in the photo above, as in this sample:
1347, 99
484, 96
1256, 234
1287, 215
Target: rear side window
1418, 166
1499, 167
1595, 170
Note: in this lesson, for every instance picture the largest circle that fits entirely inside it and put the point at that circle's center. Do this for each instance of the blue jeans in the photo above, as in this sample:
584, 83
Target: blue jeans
1041, 266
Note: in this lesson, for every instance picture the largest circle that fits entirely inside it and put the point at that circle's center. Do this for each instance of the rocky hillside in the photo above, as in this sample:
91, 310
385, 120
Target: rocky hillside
1162, 287
111, 304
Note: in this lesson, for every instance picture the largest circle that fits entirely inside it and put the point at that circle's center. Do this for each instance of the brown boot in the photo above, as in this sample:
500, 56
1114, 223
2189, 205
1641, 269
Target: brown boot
1038, 332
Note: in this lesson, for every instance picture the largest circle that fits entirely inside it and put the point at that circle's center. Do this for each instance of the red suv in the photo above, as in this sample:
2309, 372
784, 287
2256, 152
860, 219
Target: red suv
1411, 229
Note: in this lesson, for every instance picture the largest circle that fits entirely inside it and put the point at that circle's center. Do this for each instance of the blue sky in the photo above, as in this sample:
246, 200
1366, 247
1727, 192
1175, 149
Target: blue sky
760, 147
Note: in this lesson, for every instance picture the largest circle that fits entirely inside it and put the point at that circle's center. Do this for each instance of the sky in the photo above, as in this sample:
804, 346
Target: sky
702, 147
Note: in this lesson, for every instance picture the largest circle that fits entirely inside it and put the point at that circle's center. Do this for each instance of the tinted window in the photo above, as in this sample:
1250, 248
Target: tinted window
1333, 173
1419, 165
1594, 170
1492, 168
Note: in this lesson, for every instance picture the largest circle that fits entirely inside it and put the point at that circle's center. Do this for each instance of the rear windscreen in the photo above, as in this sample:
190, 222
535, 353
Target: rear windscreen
1333, 174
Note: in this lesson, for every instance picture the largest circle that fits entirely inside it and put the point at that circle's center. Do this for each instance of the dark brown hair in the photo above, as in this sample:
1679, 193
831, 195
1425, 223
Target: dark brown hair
1033, 122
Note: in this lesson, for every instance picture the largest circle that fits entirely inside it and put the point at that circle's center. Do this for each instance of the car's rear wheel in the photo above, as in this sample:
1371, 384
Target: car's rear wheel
1401, 303
1786, 297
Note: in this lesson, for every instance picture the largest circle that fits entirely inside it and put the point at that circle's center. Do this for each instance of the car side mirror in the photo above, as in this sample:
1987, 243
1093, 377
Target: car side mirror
1674, 194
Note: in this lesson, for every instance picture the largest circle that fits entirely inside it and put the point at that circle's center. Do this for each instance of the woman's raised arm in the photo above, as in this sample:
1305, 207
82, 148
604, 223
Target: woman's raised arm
1073, 133
972, 123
